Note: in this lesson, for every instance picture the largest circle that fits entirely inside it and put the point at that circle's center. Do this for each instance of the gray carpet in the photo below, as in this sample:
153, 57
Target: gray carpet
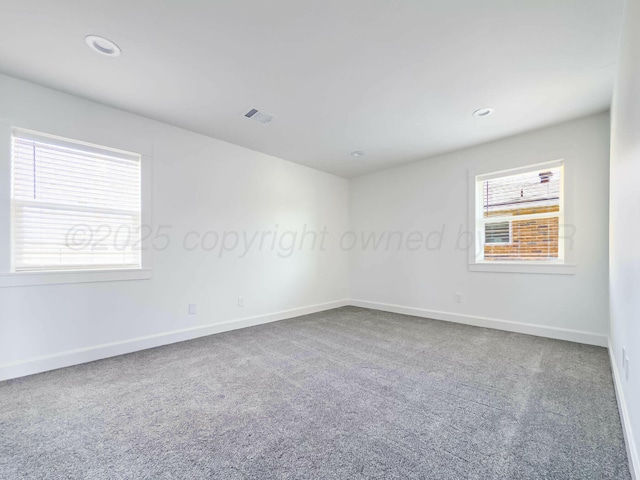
349, 393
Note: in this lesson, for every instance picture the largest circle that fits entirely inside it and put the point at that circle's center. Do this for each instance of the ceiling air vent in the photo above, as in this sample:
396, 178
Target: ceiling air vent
259, 116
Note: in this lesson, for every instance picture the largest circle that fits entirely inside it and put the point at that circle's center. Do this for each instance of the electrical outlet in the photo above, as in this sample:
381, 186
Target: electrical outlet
192, 309
240, 302
457, 298
626, 367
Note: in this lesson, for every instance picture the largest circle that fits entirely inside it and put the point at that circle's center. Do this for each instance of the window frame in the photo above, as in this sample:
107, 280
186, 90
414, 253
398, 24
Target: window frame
11, 278
564, 264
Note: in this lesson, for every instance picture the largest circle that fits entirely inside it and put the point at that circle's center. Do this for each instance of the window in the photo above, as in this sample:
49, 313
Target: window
74, 206
497, 233
519, 215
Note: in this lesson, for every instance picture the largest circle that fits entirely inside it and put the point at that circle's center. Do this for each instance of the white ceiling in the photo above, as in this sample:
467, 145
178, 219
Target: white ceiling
395, 78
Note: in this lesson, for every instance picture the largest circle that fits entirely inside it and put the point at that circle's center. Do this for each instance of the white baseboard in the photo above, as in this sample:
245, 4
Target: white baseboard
507, 325
632, 451
98, 352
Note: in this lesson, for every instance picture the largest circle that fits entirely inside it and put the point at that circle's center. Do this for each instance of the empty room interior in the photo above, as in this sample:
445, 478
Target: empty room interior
332, 239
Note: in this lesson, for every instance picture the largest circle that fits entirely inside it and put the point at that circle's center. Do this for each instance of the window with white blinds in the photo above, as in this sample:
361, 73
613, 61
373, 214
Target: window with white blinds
519, 216
74, 206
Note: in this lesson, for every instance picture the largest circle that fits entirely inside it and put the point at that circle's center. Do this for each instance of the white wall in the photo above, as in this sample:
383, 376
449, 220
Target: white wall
625, 227
202, 184
429, 195
198, 184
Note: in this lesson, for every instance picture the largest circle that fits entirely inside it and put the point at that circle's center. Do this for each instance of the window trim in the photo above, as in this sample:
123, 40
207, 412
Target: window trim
565, 266
57, 277
9, 278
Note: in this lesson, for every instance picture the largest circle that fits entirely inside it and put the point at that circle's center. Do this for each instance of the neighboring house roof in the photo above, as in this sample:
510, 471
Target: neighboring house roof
525, 190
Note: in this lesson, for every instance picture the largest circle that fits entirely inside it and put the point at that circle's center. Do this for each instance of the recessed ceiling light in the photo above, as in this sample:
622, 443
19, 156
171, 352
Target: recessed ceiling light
357, 153
103, 45
483, 112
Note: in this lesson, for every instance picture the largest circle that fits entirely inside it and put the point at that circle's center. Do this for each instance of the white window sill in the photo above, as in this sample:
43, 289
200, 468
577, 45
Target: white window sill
24, 279
523, 267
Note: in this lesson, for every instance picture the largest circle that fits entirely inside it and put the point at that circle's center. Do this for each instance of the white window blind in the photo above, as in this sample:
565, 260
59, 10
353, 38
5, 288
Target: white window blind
520, 215
74, 206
